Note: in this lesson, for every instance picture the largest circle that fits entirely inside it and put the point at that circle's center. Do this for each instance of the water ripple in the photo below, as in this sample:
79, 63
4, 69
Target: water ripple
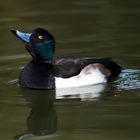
14, 82
129, 79
13, 57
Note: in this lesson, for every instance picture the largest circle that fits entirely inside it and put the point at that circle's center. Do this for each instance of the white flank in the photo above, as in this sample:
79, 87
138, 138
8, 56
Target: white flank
88, 76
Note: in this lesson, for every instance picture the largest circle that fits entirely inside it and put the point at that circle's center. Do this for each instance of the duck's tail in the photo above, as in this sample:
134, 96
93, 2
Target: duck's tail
114, 68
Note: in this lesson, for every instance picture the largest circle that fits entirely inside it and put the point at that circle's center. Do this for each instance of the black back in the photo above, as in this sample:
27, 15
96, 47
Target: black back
67, 67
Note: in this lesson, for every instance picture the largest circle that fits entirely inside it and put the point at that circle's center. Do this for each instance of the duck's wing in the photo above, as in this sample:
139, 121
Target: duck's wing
67, 67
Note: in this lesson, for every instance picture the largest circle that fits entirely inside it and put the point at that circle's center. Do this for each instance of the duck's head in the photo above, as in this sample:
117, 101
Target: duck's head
39, 43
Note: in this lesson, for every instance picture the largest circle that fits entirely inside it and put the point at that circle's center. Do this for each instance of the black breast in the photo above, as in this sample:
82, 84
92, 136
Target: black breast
37, 75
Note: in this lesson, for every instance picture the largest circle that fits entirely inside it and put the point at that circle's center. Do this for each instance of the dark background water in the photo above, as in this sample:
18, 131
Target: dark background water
81, 28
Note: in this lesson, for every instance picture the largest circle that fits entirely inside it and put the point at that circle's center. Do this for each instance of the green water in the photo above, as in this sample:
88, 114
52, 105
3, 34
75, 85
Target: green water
81, 28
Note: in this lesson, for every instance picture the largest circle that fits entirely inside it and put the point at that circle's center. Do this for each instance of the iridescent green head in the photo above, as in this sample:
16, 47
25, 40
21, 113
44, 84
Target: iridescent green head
39, 43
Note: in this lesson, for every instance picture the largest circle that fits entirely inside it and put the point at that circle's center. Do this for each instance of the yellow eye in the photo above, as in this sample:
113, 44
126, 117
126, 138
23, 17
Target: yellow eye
40, 37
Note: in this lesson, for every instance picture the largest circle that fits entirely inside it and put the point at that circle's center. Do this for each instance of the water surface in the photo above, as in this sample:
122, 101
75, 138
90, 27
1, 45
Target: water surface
81, 28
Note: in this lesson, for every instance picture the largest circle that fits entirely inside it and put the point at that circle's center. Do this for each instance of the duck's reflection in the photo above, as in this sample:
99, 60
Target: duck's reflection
91, 92
42, 119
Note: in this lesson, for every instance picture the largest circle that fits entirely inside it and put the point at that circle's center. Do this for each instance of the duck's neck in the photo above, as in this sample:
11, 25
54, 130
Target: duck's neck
47, 62
42, 61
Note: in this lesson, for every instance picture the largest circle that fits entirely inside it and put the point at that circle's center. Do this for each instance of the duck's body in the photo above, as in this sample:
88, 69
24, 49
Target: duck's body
68, 72
45, 72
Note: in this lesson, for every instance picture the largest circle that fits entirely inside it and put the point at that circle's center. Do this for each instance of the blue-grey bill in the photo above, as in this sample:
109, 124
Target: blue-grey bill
23, 36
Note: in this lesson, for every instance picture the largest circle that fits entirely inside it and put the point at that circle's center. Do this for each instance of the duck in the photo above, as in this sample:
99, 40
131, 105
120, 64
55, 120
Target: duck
45, 71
